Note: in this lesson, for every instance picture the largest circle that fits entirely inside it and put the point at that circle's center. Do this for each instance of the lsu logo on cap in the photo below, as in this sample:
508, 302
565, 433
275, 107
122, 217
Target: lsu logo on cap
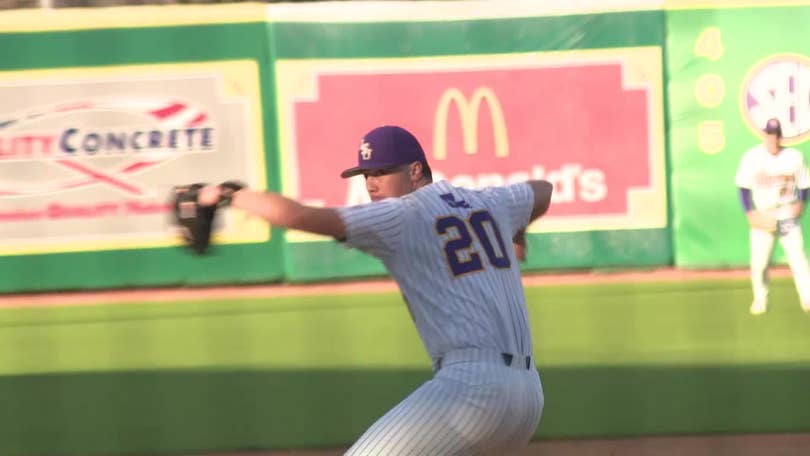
365, 150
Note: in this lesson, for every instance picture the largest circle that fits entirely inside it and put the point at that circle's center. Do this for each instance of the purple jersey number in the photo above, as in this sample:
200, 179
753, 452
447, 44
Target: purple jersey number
463, 243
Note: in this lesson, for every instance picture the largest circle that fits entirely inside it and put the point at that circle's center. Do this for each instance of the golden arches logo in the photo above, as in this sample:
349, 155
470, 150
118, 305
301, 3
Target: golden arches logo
468, 113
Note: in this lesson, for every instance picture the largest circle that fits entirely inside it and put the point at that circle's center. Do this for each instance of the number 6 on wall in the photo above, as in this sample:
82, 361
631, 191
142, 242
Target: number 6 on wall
462, 243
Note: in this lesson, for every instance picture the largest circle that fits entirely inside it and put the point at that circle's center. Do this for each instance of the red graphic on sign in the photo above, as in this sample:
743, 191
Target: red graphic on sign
575, 126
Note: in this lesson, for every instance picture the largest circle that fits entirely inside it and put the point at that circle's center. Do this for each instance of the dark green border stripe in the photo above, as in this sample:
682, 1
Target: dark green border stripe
65, 49
397, 39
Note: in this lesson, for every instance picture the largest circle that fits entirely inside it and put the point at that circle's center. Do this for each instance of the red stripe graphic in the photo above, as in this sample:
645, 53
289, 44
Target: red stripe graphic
138, 166
84, 182
198, 120
170, 110
74, 106
101, 177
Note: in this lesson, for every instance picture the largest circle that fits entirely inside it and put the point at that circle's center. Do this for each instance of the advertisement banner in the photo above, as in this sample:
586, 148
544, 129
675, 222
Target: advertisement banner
104, 111
730, 70
589, 121
494, 97
89, 155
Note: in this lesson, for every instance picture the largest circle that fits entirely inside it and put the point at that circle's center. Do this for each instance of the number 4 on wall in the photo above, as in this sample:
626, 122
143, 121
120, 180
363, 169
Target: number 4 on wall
462, 243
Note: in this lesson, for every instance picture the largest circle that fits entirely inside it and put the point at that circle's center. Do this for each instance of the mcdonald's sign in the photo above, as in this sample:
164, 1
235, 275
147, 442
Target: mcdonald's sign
591, 122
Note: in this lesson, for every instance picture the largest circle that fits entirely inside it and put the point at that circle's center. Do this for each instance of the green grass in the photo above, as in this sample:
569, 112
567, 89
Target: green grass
699, 323
619, 359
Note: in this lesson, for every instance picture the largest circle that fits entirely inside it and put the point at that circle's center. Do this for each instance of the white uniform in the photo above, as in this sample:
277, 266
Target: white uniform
775, 181
450, 250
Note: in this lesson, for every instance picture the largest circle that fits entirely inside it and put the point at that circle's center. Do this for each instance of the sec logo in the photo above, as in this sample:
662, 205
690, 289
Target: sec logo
779, 87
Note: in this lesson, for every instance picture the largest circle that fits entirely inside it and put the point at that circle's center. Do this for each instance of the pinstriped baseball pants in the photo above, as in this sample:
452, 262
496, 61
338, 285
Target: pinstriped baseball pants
474, 405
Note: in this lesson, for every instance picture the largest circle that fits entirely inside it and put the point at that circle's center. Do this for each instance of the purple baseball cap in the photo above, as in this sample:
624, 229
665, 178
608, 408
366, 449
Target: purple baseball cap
773, 127
386, 147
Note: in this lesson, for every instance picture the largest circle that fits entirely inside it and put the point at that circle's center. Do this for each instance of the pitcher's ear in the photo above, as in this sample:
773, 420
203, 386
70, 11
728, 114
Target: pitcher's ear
416, 171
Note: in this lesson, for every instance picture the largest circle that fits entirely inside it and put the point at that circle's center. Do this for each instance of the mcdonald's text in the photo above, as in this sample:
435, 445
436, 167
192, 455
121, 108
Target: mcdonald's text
573, 183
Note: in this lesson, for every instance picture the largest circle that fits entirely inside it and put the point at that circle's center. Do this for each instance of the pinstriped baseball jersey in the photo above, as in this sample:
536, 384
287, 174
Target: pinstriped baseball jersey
450, 251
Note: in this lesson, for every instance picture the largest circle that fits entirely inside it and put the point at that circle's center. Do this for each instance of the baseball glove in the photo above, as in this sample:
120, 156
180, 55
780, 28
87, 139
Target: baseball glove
196, 221
762, 221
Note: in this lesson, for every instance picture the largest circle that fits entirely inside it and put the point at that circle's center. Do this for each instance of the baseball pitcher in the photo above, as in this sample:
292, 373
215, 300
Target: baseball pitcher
773, 182
450, 250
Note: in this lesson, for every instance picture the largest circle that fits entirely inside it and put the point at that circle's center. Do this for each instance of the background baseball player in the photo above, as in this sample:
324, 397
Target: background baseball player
773, 182
450, 251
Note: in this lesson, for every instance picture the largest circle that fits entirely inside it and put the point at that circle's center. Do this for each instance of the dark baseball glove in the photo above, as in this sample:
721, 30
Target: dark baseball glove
196, 221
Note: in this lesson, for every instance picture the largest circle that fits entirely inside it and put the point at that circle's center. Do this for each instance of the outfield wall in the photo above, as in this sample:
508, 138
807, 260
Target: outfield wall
107, 109
637, 113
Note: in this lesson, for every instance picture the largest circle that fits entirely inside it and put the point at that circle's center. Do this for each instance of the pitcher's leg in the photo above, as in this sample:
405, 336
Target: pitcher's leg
761, 249
533, 401
437, 419
520, 425
409, 421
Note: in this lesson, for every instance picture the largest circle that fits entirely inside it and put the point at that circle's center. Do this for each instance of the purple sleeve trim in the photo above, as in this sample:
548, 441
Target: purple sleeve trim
745, 197
803, 194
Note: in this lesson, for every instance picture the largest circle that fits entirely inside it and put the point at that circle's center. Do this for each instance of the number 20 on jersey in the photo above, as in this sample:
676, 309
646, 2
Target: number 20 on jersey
461, 256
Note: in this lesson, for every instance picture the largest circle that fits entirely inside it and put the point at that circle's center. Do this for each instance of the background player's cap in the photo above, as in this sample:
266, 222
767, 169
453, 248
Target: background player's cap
386, 147
773, 127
